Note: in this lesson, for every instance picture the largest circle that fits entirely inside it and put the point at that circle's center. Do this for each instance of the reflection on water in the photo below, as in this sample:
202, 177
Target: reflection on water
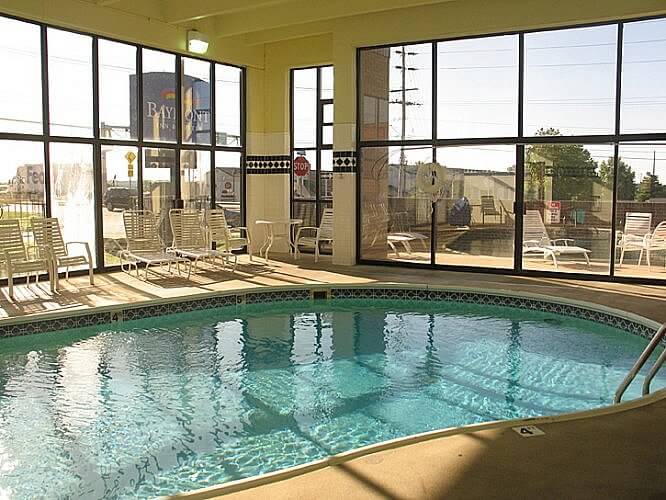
160, 406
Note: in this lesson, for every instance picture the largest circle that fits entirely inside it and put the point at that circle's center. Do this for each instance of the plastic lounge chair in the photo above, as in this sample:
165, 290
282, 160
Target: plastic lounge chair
48, 235
635, 235
649, 243
322, 234
537, 242
144, 245
17, 260
189, 240
225, 237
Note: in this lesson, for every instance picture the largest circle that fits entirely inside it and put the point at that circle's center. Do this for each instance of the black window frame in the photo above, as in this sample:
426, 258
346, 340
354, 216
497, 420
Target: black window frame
520, 141
319, 201
46, 138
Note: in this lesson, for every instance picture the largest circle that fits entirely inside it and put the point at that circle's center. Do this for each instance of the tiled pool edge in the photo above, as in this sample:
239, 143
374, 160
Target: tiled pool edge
638, 325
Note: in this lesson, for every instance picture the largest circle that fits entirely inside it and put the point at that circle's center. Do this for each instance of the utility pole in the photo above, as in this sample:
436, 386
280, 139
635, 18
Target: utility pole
403, 103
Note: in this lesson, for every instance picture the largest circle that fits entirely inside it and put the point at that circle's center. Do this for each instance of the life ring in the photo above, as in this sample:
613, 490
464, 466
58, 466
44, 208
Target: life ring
430, 178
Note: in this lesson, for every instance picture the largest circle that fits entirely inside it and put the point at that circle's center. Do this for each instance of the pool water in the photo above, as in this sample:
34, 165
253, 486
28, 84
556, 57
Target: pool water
158, 406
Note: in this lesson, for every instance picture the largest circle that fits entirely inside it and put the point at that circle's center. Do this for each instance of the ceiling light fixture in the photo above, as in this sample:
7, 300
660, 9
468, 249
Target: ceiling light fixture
197, 43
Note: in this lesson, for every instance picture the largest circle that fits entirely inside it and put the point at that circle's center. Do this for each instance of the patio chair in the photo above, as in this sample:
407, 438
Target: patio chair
488, 209
17, 260
189, 239
144, 245
321, 234
48, 236
634, 236
223, 236
536, 240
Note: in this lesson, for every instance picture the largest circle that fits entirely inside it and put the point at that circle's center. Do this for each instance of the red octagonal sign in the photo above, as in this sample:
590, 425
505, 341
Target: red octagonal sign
301, 166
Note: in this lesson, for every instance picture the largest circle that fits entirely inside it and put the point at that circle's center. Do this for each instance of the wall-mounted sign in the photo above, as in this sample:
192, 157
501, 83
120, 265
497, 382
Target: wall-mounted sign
301, 166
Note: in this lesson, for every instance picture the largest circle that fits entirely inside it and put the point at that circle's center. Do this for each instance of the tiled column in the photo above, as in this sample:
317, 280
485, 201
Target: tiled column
344, 155
268, 163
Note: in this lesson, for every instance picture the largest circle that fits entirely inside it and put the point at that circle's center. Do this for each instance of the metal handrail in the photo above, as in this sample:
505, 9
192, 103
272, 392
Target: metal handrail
642, 359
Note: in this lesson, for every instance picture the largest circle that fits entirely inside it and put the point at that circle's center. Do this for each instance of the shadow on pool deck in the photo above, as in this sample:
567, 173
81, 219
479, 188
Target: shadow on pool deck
620, 455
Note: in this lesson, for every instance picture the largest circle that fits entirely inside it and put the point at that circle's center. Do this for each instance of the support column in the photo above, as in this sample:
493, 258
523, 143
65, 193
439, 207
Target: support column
344, 154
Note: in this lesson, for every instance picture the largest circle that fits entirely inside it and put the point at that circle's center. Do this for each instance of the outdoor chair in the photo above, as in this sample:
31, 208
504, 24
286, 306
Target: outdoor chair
536, 240
189, 239
144, 245
17, 259
48, 236
223, 236
635, 236
317, 235
488, 208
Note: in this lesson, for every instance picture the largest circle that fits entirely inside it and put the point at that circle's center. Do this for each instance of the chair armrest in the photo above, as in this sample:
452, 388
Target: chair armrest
306, 228
85, 245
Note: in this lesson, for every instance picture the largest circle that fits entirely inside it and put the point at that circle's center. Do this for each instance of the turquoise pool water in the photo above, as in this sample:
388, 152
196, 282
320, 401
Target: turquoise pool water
158, 406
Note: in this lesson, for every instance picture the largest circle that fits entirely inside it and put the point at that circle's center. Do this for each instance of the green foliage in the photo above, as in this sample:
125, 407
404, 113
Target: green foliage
626, 178
571, 166
649, 188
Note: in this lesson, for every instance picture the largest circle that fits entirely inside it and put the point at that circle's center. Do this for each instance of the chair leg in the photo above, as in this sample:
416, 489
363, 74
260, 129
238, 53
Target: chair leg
317, 252
587, 259
640, 257
11, 285
648, 260
90, 273
621, 257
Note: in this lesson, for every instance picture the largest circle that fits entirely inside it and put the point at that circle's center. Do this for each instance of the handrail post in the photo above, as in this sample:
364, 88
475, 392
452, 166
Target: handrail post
653, 371
645, 355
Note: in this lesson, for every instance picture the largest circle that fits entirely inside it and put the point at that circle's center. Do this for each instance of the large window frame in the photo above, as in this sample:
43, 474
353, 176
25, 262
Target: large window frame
97, 142
520, 141
319, 201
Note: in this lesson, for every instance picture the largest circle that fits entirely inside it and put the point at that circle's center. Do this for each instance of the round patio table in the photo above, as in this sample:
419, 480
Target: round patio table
273, 233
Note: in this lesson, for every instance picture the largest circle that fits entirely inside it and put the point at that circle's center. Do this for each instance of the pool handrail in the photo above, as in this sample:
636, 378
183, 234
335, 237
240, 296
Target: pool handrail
640, 362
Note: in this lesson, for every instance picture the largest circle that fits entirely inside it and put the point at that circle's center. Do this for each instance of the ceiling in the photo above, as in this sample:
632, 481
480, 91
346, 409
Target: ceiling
232, 18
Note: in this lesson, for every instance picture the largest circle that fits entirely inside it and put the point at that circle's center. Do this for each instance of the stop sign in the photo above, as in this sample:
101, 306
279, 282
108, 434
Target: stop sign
301, 166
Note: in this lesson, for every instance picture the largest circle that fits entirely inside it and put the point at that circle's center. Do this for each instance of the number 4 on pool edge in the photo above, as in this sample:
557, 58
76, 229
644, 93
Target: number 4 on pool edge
528, 431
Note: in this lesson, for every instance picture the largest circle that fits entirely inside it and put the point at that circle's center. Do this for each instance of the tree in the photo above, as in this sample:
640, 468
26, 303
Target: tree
571, 167
626, 178
649, 188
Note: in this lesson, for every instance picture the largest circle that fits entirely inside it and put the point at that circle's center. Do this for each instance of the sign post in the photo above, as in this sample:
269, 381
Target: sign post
130, 157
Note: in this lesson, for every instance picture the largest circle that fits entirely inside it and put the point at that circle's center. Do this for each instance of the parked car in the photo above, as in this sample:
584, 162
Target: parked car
117, 198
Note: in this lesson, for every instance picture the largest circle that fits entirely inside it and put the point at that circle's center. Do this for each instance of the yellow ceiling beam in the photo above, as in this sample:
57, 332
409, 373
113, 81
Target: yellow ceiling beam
178, 11
304, 11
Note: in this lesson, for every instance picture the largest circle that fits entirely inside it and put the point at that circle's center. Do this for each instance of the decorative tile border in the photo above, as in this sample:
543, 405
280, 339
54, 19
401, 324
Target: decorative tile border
239, 300
344, 162
276, 164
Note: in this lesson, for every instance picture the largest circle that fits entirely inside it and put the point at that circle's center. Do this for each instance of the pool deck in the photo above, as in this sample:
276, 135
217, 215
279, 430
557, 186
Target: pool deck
620, 455
119, 288
616, 456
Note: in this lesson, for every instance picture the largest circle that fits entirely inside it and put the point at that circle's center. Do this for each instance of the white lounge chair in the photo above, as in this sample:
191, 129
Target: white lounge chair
321, 234
16, 258
223, 236
48, 235
189, 240
536, 240
634, 237
144, 245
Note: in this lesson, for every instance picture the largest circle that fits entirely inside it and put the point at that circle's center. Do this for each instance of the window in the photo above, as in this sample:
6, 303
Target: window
72, 192
117, 91
228, 100
20, 94
159, 96
570, 81
643, 99
312, 143
70, 83
135, 157
196, 117
195, 187
477, 87
550, 149
119, 193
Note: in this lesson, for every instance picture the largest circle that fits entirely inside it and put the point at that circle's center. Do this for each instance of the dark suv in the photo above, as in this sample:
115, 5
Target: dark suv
117, 198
